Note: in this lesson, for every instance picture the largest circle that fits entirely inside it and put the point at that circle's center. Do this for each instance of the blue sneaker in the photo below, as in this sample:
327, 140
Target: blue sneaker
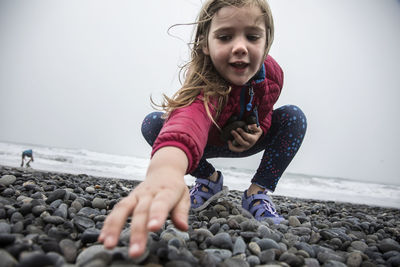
260, 205
205, 191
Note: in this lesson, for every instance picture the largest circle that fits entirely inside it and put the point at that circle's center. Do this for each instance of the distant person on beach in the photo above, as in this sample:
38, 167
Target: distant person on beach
27, 153
224, 109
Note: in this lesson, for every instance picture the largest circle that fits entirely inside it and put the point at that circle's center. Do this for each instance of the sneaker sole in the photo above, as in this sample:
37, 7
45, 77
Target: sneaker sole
224, 191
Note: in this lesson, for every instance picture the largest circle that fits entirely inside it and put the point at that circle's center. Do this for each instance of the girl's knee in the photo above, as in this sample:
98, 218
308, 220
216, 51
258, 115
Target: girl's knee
292, 116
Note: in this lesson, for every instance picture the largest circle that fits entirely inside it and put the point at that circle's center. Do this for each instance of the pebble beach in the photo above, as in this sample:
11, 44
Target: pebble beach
54, 219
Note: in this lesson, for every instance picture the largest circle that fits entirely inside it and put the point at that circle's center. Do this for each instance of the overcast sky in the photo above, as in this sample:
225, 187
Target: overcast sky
79, 74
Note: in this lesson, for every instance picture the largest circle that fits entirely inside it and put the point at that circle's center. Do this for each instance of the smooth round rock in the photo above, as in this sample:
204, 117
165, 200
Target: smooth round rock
239, 247
99, 203
6, 259
267, 243
222, 240
388, 244
7, 180
69, 250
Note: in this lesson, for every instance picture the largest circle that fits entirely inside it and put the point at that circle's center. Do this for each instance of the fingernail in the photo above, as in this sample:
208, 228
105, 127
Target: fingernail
152, 223
134, 249
109, 240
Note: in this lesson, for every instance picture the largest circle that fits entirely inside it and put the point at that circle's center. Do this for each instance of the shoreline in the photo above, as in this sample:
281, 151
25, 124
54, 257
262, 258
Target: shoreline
55, 218
135, 181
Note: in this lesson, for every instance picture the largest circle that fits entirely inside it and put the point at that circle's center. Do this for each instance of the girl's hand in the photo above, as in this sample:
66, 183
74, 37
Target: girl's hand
244, 140
164, 191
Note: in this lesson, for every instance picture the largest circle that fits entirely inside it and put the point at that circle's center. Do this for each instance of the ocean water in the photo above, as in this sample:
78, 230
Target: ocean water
78, 161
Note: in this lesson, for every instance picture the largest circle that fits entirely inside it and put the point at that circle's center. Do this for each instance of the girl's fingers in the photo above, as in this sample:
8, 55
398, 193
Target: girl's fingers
162, 203
239, 136
116, 220
139, 223
180, 213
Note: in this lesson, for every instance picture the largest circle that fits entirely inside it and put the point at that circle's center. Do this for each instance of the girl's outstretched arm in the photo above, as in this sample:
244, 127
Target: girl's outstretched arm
162, 192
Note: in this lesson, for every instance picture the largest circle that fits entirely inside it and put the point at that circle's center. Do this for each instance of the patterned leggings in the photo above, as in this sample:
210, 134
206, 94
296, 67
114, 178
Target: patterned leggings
280, 145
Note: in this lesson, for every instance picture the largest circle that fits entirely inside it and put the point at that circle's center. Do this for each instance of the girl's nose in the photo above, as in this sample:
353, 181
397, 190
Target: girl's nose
239, 47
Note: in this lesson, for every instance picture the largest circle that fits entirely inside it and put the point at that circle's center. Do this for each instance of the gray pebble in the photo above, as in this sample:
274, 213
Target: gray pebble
222, 240
90, 190
99, 203
235, 262
354, 259
327, 256
5, 228
254, 248
62, 211
239, 246
7, 180
220, 253
69, 250
53, 219
57, 194
267, 255
332, 263
388, 244
293, 221
82, 223
311, 262
267, 243
90, 235
291, 259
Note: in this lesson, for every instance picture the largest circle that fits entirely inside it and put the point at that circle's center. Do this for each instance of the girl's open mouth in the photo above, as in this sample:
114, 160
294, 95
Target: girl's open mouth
239, 65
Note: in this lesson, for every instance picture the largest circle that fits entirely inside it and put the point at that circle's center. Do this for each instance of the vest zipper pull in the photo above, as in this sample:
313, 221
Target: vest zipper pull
251, 93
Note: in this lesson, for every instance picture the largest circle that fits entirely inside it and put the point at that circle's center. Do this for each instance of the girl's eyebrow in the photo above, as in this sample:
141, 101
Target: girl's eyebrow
248, 28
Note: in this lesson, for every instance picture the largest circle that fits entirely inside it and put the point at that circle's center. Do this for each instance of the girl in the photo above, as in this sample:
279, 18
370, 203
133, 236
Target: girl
230, 78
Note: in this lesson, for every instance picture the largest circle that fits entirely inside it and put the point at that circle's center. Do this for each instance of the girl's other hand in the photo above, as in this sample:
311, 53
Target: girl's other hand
164, 191
244, 140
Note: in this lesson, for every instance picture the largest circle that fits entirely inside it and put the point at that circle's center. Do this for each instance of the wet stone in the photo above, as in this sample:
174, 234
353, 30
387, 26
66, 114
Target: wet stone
7, 260
359, 245
6, 239
388, 244
235, 262
90, 235
56, 194
333, 263
311, 262
69, 250
267, 255
17, 227
354, 259
222, 254
253, 260
254, 248
7, 180
222, 240
239, 246
62, 211
16, 217
35, 259
83, 223
56, 220
99, 203
293, 221
8, 192
5, 228
291, 259
267, 243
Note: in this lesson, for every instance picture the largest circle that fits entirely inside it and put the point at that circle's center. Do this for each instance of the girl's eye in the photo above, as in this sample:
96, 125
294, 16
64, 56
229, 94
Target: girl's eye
224, 37
253, 37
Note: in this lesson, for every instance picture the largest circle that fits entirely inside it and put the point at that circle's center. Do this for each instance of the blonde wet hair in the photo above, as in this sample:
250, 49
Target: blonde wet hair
201, 76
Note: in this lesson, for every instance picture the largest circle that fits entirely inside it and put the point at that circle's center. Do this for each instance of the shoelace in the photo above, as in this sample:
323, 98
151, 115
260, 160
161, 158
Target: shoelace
267, 205
195, 188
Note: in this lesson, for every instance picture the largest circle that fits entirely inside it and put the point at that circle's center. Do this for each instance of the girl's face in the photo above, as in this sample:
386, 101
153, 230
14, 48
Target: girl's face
236, 43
